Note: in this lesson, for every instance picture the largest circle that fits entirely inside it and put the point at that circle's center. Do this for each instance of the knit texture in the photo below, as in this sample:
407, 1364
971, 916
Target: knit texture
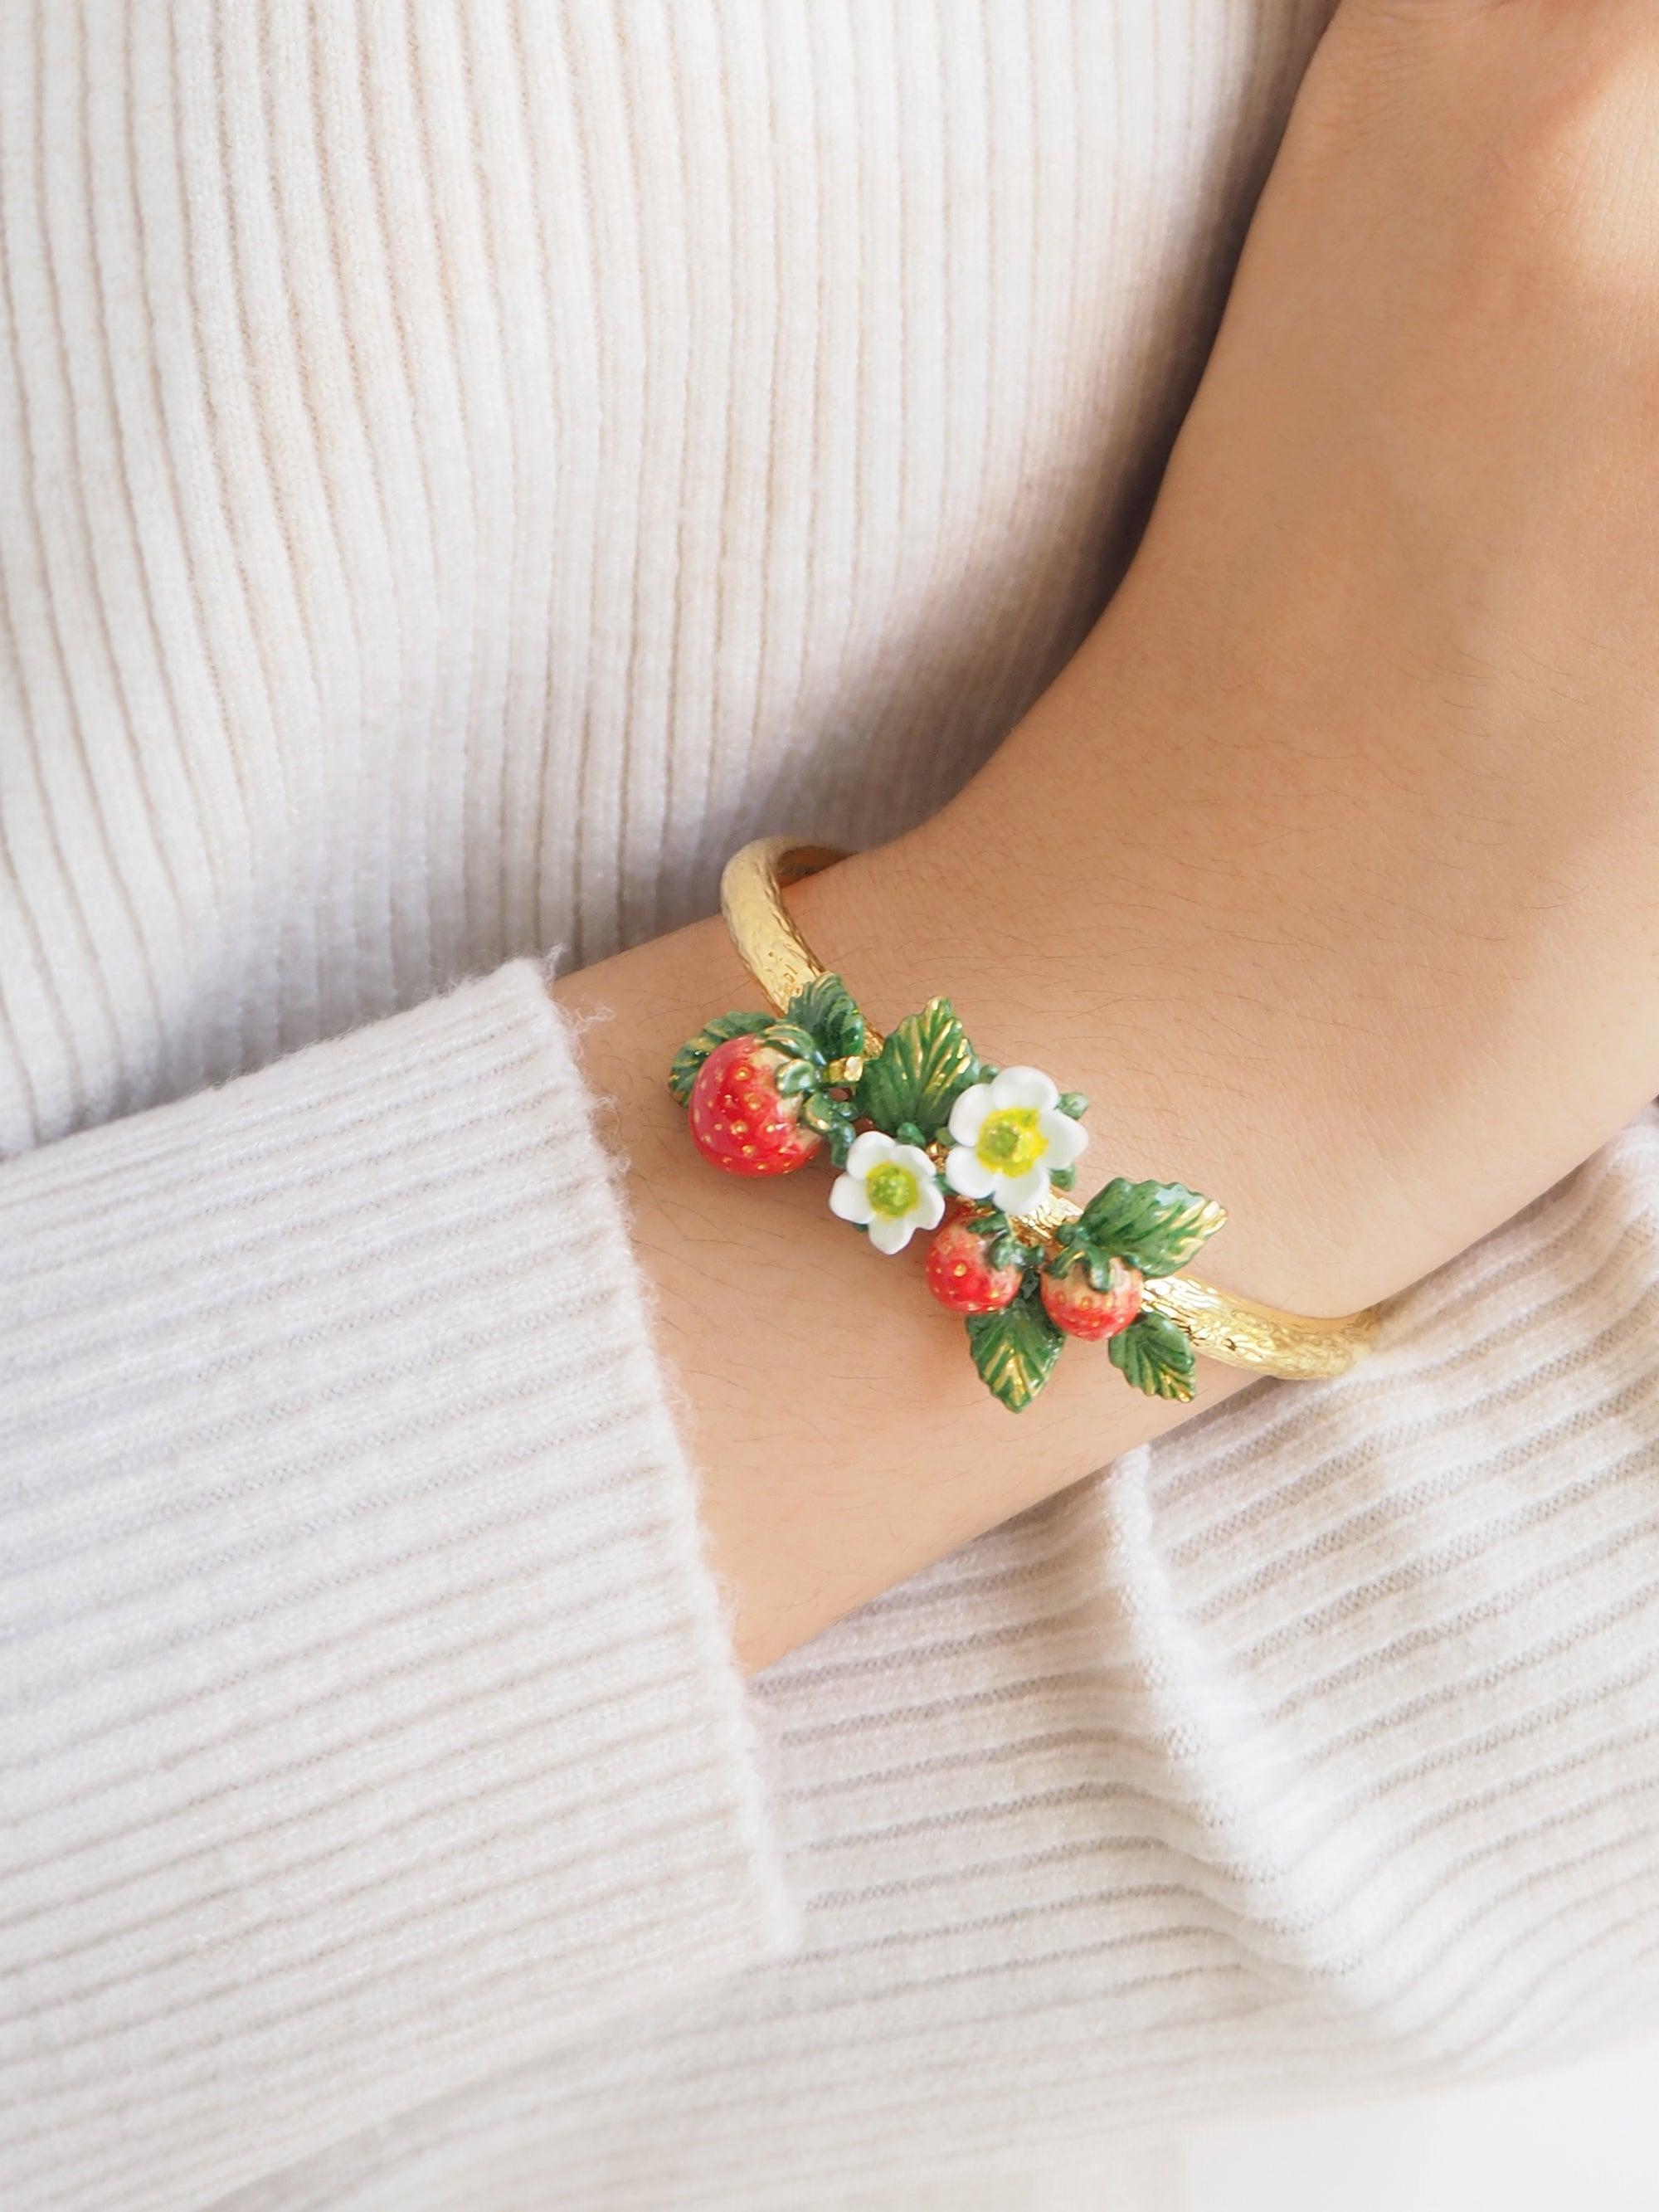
1315, 1749
465, 466
369, 1722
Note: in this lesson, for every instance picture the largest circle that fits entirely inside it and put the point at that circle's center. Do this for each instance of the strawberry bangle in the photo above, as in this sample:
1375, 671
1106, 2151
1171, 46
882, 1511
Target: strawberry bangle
929, 1140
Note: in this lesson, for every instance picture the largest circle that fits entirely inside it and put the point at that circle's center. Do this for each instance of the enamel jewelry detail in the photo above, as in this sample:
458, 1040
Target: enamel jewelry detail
931, 1142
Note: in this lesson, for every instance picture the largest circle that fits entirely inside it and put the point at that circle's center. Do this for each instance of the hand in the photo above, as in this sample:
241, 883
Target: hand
1326, 869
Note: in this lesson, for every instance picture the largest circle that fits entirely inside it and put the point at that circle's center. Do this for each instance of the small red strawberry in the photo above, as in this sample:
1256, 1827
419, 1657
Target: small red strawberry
1074, 1304
959, 1270
739, 1121
1080, 1311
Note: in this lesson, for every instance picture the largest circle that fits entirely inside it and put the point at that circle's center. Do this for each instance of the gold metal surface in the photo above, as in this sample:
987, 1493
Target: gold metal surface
1234, 1330
771, 948
1241, 1333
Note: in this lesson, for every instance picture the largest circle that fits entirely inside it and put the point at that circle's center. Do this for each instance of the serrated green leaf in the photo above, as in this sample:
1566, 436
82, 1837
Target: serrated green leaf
1155, 1226
1155, 1355
693, 1053
827, 1012
922, 1066
1015, 1350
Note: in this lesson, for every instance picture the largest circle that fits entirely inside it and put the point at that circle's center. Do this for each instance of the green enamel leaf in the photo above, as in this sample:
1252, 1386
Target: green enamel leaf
693, 1053
1155, 1226
1015, 1350
925, 1061
826, 1011
1155, 1355
1074, 1103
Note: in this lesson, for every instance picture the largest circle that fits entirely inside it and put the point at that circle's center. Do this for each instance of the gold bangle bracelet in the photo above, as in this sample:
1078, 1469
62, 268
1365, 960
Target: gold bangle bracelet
1221, 1325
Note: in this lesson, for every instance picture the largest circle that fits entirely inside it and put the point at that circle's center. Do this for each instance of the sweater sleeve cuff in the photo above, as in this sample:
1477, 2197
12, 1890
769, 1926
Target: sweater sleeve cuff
370, 1719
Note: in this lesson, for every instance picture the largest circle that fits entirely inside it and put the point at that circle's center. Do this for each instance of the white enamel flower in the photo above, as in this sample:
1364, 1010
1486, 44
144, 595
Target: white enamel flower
890, 1188
1011, 1137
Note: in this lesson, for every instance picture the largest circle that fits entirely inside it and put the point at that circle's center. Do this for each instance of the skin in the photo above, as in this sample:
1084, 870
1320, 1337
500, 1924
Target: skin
1350, 915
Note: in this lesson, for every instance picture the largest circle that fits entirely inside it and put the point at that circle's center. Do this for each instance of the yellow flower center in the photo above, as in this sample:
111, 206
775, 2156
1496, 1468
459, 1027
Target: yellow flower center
1010, 1142
890, 1188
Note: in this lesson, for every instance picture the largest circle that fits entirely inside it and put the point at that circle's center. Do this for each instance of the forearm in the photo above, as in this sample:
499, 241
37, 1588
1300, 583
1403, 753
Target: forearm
1324, 870
843, 1438
1221, 973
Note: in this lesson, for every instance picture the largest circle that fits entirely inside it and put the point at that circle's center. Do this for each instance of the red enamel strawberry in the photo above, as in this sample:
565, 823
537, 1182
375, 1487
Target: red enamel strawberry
738, 1119
1075, 1305
959, 1270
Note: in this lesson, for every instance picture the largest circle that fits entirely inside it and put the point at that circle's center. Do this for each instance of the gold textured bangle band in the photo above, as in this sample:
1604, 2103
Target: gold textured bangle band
1221, 1325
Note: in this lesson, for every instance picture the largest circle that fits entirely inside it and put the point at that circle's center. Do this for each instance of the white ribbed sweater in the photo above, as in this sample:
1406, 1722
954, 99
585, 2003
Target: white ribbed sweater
464, 465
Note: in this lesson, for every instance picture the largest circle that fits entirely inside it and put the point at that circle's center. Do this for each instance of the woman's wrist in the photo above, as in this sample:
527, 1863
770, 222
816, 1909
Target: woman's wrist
842, 1439
1325, 868
1194, 967
1110, 960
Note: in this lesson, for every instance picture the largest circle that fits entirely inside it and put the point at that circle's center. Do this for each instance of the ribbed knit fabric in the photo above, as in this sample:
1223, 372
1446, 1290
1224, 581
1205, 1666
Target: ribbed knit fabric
369, 1722
464, 464
1316, 1747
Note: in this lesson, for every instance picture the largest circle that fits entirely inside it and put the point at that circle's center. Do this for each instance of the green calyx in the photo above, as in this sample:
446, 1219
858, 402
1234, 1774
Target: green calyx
1004, 1245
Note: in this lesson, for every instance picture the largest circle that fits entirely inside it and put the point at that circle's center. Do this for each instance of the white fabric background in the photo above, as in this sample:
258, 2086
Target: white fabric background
464, 465
1586, 2136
